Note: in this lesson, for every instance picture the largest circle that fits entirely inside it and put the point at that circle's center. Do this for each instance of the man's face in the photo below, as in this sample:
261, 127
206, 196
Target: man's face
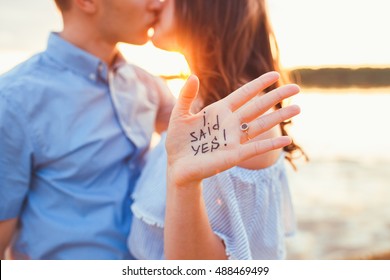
127, 21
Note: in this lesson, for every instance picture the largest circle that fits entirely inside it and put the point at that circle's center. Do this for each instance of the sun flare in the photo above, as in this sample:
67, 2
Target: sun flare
156, 61
172, 66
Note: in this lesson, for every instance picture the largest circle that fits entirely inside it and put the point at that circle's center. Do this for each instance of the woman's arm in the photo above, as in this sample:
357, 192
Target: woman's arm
187, 231
209, 142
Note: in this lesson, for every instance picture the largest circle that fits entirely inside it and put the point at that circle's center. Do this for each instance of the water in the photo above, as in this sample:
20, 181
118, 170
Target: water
341, 196
342, 209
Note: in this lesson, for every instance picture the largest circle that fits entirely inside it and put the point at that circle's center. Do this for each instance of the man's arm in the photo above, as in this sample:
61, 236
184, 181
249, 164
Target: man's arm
16, 154
7, 230
167, 102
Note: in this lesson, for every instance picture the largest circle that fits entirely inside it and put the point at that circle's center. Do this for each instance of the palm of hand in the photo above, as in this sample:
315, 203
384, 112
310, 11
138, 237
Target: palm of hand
205, 143
211, 141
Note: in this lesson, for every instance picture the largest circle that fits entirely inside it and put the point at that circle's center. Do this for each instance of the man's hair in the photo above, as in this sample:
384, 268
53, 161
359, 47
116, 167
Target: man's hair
63, 5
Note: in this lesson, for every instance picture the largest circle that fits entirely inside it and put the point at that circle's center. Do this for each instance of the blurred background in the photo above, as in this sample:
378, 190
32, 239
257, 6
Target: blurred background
339, 53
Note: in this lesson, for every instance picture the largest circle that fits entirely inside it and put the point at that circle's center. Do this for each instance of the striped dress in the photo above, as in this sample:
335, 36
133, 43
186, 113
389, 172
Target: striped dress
250, 210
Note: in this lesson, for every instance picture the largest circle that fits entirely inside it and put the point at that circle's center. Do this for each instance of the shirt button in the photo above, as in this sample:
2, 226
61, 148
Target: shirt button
92, 76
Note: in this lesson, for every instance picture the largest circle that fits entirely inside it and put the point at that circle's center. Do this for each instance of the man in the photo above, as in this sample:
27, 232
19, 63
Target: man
66, 166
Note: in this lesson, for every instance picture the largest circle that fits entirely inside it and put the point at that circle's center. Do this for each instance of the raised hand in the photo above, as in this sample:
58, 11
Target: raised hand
217, 138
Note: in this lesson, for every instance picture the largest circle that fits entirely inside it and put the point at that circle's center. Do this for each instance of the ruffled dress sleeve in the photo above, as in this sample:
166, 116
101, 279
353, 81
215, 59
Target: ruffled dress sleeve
251, 211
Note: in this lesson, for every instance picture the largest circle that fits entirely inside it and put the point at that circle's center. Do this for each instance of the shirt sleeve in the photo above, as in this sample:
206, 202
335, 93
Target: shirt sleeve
15, 159
160, 96
245, 210
167, 102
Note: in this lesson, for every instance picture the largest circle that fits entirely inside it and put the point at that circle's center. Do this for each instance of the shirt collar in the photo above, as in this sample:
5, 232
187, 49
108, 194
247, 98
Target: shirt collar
78, 60
119, 61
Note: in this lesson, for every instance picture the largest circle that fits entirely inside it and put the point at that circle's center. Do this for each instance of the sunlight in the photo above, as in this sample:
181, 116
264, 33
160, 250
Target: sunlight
309, 33
156, 61
332, 32
169, 65
175, 85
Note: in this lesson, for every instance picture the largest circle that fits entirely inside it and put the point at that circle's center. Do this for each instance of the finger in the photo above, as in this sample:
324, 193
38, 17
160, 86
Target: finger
263, 103
187, 96
268, 121
256, 148
245, 93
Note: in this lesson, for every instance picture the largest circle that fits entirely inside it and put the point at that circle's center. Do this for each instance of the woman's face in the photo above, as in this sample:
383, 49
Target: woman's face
165, 35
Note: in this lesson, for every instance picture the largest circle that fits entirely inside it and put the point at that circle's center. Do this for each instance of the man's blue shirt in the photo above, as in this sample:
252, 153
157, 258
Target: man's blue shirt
65, 162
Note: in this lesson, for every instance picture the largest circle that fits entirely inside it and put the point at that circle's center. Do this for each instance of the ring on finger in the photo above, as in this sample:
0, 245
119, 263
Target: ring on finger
245, 127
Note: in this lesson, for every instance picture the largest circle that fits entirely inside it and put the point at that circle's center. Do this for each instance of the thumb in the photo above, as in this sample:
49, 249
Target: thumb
187, 95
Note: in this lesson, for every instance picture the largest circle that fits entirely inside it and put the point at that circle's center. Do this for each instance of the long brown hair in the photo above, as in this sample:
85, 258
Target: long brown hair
228, 43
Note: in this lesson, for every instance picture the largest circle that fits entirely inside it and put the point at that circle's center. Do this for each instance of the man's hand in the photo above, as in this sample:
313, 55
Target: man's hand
7, 230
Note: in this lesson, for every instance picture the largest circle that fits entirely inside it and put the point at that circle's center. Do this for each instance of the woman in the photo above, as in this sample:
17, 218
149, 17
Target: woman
243, 212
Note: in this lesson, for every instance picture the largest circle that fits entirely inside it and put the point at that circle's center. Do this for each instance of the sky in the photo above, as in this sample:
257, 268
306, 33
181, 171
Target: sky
309, 32
332, 32
318, 33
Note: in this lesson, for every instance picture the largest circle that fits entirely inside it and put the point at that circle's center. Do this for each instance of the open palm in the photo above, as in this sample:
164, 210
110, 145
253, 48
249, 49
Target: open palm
215, 139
